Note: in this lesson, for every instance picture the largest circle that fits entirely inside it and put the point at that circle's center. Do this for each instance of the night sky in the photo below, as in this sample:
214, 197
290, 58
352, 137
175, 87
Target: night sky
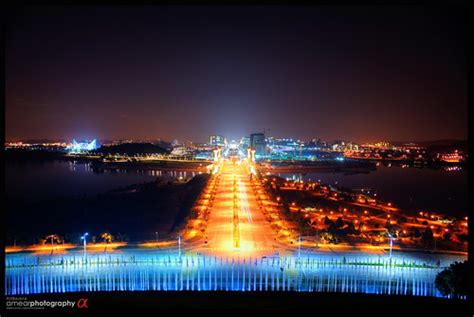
353, 73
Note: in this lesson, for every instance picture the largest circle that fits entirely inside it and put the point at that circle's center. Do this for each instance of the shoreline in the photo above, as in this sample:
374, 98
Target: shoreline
166, 246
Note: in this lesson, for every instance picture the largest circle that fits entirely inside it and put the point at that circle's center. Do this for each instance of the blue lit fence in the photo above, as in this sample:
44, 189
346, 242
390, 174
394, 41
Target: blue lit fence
199, 273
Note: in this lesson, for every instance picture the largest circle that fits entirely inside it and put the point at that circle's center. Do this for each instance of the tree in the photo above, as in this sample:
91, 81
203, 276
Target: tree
286, 209
427, 235
52, 238
415, 233
339, 223
327, 221
327, 237
351, 227
391, 232
463, 237
402, 220
447, 236
107, 238
453, 280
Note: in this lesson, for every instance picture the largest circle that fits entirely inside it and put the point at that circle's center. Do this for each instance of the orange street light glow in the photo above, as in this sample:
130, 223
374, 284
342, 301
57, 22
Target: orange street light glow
12, 249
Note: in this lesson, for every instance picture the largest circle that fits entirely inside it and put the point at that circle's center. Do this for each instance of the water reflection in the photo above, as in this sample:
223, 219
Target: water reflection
452, 168
75, 166
441, 190
49, 180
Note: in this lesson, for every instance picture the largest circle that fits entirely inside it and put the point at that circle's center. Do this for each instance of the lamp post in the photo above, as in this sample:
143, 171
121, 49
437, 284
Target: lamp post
156, 236
317, 235
52, 237
179, 246
299, 246
391, 245
84, 238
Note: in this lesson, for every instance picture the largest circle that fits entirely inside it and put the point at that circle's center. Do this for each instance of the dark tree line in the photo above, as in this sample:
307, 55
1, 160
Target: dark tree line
453, 280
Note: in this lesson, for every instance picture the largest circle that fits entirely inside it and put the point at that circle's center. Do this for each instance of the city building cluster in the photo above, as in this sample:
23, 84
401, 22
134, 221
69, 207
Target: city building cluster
269, 148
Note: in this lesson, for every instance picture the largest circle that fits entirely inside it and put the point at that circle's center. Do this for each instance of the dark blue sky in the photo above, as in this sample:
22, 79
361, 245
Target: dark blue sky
357, 73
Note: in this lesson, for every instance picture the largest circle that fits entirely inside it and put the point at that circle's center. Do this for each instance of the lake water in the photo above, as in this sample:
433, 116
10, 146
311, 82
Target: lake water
62, 197
412, 188
47, 180
420, 189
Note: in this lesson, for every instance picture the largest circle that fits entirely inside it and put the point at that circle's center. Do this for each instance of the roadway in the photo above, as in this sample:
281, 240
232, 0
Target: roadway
252, 230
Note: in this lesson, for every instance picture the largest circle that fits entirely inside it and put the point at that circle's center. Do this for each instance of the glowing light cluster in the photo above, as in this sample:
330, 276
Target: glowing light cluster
78, 147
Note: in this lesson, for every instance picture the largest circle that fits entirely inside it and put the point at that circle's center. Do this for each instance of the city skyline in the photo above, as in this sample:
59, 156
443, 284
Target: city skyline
237, 157
386, 73
237, 139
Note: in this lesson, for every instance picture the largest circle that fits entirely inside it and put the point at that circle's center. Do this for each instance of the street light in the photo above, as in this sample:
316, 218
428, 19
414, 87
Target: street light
84, 238
52, 237
179, 246
156, 236
299, 246
391, 244
317, 234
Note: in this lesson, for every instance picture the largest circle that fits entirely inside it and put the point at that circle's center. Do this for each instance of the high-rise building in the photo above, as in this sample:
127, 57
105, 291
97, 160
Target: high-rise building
245, 142
257, 142
216, 140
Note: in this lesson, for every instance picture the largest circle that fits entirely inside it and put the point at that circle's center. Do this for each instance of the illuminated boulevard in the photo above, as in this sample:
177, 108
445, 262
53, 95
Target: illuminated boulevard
242, 228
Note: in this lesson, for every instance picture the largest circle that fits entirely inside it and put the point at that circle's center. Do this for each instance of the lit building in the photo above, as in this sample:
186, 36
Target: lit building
379, 145
179, 151
216, 140
245, 142
257, 142
78, 147
286, 147
204, 155
455, 157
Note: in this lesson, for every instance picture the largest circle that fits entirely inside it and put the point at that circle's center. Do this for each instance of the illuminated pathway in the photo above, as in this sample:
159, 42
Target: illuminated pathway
252, 230
245, 209
153, 270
